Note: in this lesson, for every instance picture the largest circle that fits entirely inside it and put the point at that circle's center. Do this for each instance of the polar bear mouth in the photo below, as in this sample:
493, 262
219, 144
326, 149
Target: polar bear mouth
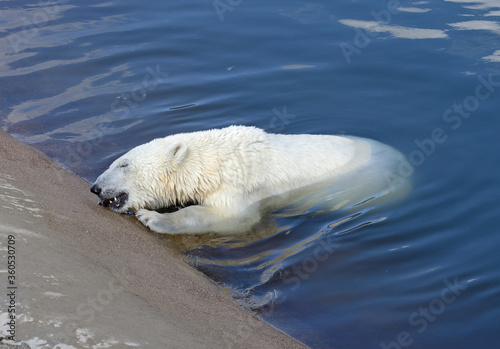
114, 203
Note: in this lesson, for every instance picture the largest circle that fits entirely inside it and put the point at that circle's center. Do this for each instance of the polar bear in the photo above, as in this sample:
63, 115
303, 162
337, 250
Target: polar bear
224, 179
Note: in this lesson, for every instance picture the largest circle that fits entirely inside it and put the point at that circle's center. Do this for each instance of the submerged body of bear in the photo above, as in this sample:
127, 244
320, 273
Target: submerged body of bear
229, 176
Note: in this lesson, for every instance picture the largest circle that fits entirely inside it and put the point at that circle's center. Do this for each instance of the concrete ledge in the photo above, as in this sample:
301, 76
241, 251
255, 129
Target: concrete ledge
89, 278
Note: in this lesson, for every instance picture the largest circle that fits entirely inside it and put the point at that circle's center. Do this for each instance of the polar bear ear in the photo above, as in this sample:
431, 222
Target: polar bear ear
177, 151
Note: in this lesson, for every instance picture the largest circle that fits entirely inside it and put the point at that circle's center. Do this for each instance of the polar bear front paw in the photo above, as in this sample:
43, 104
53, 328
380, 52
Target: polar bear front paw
155, 221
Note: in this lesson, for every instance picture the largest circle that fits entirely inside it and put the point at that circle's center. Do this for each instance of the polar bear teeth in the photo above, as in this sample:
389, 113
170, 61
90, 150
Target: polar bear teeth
115, 202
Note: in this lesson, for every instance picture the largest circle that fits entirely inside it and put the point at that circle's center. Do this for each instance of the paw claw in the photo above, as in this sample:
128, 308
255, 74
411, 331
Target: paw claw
144, 216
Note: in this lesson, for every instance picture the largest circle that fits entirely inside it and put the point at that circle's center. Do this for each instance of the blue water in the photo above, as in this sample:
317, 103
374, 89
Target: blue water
86, 81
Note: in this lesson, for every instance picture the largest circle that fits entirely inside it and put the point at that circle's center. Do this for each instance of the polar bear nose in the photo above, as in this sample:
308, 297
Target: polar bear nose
95, 189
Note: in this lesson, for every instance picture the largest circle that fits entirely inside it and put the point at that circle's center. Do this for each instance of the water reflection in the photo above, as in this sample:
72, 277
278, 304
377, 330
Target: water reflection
491, 26
395, 31
495, 57
250, 265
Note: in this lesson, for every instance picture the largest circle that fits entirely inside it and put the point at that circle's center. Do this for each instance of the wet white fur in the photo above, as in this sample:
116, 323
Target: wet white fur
229, 171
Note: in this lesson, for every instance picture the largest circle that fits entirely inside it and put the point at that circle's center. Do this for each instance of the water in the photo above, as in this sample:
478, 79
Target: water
84, 82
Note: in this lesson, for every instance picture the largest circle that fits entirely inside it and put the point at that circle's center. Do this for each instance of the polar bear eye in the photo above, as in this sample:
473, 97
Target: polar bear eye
123, 164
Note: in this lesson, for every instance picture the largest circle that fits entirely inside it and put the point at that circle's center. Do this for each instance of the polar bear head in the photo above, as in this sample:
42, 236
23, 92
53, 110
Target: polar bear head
148, 176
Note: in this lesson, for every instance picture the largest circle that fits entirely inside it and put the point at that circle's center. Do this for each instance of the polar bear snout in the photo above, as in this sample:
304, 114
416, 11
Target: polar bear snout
114, 200
96, 189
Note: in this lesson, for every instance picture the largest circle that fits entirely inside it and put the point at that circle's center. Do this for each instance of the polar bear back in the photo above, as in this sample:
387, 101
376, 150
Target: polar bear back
251, 159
